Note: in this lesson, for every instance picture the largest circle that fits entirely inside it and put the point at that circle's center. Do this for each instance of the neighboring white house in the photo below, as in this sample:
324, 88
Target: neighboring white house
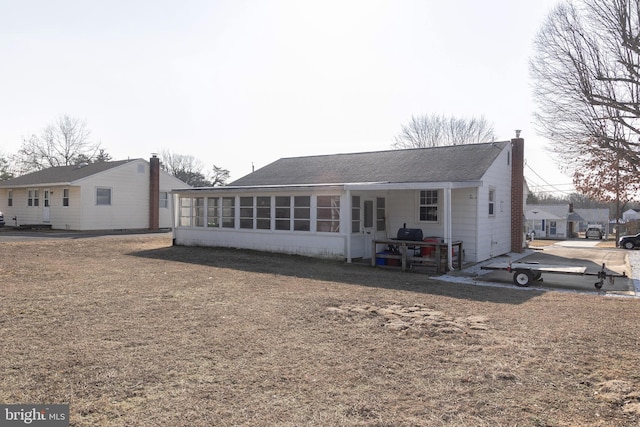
562, 221
126, 194
335, 205
630, 215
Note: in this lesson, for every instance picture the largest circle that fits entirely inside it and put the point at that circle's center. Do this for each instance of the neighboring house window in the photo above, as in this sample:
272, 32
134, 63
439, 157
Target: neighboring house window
10, 198
283, 213
198, 212
302, 213
429, 205
228, 212
380, 214
46, 198
185, 212
33, 198
263, 213
246, 212
492, 201
553, 228
164, 199
355, 214
65, 197
328, 211
213, 212
103, 196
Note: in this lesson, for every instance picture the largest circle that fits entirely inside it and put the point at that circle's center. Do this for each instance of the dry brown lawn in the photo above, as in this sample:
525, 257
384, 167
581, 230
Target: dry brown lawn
131, 331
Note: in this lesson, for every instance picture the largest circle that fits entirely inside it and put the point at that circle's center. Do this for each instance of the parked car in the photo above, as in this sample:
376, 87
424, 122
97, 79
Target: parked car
1, 220
595, 232
629, 242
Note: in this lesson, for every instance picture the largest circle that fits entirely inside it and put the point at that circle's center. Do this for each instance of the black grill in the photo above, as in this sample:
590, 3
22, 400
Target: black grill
411, 234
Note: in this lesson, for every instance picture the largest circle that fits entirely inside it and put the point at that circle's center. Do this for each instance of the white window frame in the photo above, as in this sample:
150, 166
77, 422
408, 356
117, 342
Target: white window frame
198, 212
328, 215
163, 200
428, 204
283, 213
228, 212
356, 208
247, 212
263, 212
98, 197
213, 212
381, 214
492, 202
184, 214
301, 214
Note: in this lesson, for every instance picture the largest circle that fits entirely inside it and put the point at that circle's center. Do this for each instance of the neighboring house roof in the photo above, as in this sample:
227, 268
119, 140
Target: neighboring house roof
594, 215
546, 212
455, 163
561, 212
61, 174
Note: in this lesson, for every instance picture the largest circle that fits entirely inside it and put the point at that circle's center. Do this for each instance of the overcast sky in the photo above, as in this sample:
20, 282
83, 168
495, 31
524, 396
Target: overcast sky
238, 83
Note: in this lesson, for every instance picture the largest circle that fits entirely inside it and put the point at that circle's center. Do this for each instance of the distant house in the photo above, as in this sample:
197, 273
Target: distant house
630, 215
562, 221
126, 194
336, 205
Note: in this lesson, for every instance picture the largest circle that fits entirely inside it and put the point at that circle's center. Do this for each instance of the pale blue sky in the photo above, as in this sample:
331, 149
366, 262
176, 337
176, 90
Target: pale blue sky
239, 82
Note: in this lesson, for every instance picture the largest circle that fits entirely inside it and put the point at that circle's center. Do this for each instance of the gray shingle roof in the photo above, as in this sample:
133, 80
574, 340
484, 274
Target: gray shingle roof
60, 174
441, 164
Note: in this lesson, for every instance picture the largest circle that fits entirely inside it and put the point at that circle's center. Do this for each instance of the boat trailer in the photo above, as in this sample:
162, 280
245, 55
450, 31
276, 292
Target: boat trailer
524, 273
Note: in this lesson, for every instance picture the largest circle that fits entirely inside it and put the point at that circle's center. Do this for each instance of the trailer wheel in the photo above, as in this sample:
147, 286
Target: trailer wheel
522, 278
598, 285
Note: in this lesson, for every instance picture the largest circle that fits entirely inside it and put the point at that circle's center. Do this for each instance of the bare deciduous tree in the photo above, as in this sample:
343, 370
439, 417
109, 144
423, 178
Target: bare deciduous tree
190, 170
59, 144
434, 130
586, 70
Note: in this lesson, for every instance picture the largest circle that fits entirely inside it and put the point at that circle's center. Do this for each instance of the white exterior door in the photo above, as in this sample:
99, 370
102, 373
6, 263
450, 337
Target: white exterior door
368, 226
46, 214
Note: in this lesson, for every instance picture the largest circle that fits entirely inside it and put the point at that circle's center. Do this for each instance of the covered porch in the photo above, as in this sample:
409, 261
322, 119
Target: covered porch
445, 214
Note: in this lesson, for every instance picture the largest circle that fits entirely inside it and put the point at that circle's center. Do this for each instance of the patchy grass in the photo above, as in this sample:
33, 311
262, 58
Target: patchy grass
132, 331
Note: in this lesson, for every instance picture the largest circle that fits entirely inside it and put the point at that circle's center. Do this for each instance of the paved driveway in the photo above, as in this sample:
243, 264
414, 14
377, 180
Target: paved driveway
577, 253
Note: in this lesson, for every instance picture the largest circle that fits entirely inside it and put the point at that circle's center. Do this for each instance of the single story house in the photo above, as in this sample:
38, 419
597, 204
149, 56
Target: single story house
125, 194
630, 215
336, 205
562, 221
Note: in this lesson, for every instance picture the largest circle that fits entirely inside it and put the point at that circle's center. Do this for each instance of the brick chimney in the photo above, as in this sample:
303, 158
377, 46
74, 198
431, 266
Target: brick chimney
517, 193
154, 193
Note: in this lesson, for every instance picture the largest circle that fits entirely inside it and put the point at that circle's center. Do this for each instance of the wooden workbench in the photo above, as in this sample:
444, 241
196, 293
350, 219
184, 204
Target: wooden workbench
406, 254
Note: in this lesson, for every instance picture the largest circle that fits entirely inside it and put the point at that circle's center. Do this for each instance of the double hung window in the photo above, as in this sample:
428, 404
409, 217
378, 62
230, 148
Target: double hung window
328, 214
429, 205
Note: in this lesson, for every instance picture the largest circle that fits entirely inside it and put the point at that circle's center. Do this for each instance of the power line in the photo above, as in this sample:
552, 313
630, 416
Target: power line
553, 186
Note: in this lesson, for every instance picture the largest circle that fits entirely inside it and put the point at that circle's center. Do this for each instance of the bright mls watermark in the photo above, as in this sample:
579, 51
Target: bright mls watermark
34, 415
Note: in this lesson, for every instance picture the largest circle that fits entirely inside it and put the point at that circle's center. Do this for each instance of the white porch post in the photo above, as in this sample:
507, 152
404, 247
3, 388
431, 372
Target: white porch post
447, 225
349, 225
